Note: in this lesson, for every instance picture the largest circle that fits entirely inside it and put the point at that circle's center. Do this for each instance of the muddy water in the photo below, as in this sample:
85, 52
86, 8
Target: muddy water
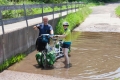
94, 56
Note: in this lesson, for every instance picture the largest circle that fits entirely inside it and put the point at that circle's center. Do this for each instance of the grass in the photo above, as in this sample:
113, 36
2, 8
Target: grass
11, 61
74, 19
117, 79
8, 14
5, 2
117, 11
91, 4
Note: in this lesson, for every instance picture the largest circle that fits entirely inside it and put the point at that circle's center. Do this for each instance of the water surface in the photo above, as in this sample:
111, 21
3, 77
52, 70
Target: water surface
94, 56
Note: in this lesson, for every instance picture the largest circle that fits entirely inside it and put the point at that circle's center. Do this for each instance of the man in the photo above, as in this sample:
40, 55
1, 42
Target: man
44, 28
66, 43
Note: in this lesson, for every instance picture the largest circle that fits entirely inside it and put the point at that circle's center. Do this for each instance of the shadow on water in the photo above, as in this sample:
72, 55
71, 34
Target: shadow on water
94, 55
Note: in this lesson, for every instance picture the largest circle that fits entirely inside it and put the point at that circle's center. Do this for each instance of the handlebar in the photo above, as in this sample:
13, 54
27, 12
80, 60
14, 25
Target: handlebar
53, 37
49, 35
44, 35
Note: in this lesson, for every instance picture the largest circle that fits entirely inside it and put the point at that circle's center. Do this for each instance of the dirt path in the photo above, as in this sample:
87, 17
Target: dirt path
102, 19
95, 54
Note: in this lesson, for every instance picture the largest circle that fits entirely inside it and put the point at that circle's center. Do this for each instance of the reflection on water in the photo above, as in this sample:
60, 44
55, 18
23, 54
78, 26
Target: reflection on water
94, 56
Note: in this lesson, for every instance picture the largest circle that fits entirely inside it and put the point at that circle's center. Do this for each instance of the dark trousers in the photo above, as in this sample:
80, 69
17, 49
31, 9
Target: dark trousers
40, 45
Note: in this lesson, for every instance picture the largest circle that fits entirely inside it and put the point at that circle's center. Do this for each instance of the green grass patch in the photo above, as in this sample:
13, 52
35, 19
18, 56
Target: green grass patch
91, 4
117, 11
74, 19
11, 61
117, 79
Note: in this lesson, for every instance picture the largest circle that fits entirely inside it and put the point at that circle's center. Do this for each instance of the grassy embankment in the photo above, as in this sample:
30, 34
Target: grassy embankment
73, 19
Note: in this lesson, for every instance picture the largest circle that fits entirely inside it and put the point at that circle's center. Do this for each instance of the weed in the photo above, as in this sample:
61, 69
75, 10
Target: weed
117, 11
11, 61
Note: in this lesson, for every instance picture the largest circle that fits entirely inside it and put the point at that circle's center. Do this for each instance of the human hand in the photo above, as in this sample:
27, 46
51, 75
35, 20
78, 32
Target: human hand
35, 27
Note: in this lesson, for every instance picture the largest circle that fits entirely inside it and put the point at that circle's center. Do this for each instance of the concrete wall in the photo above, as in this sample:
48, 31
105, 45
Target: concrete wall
20, 41
1, 49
